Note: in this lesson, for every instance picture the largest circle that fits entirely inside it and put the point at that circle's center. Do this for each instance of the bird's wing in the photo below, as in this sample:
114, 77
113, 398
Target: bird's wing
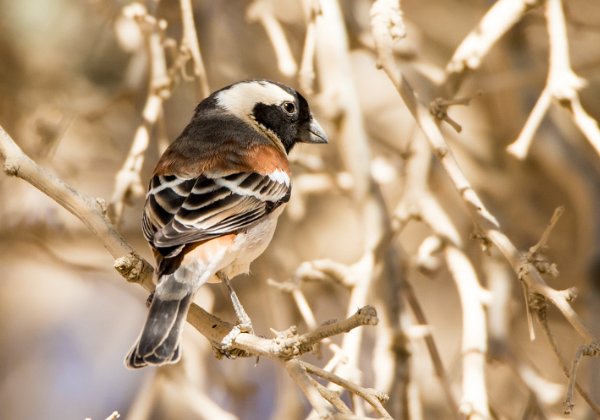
181, 211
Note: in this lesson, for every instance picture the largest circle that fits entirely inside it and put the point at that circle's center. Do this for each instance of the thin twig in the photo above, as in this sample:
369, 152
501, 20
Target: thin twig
372, 396
306, 74
562, 85
484, 221
190, 44
333, 397
128, 183
542, 243
113, 416
502, 16
297, 372
434, 354
541, 309
589, 350
262, 11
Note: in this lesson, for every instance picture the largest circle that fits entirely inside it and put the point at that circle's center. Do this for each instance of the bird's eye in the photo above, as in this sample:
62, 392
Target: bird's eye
289, 107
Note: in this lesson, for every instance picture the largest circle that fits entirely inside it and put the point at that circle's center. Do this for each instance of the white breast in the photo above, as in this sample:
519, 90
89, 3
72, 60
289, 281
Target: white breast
249, 245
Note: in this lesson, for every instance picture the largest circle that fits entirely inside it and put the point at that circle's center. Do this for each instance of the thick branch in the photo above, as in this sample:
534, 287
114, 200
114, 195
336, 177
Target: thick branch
89, 210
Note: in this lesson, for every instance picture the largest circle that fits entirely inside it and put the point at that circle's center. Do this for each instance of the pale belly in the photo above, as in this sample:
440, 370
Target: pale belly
247, 247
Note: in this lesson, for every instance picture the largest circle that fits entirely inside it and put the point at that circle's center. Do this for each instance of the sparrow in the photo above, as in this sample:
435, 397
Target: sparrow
214, 199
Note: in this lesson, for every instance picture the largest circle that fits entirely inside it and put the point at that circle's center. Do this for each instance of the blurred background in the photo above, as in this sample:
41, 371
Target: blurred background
74, 77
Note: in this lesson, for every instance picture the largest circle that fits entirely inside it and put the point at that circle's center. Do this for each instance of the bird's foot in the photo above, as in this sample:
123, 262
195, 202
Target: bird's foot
226, 348
244, 322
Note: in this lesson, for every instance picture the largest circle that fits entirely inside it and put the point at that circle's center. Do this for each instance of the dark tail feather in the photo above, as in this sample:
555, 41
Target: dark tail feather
159, 342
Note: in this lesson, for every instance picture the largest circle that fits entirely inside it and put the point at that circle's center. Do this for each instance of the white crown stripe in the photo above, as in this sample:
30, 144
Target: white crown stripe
241, 98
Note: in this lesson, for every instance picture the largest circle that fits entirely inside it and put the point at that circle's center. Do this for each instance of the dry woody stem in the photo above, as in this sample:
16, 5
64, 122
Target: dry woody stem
135, 269
385, 27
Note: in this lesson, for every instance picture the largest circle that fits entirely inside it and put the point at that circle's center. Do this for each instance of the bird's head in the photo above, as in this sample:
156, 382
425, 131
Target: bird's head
276, 110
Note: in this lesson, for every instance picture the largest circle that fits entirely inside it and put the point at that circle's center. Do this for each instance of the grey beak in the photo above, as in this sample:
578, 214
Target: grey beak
314, 133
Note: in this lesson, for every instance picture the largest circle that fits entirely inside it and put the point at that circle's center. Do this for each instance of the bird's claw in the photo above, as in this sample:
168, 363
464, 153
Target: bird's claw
226, 348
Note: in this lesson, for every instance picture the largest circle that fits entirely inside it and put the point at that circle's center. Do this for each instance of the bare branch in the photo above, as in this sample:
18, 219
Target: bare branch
434, 354
590, 350
502, 16
89, 210
484, 221
128, 183
306, 74
136, 269
297, 372
113, 416
562, 85
540, 305
262, 11
372, 396
543, 242
474, 401
190, 44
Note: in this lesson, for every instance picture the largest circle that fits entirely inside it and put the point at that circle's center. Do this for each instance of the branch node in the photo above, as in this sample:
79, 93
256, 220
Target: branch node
290, 332
538, 303
571, 294
439, 109
102, 205
381, 396
368, 315
441, 152
11, 168
131, 267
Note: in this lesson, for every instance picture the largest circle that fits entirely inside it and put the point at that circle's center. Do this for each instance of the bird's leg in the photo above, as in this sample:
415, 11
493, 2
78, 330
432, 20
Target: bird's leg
150, 299
244, 322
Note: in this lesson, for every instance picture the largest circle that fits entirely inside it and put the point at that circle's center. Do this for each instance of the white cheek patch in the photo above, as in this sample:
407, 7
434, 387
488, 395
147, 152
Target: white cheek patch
280, 176
241, 98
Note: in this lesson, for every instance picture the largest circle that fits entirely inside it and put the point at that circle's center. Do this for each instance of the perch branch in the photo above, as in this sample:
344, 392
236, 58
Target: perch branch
89, 210
136, 269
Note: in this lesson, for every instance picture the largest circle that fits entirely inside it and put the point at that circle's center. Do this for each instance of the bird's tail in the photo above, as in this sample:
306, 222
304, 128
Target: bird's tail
159, 341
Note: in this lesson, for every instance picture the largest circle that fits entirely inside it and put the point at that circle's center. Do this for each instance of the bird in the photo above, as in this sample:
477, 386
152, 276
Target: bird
214, 199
